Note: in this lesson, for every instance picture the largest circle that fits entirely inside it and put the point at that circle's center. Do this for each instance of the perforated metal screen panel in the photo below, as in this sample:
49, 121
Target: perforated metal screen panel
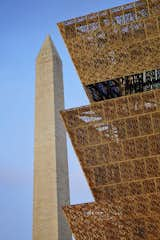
116, 42
136, 219
117, 142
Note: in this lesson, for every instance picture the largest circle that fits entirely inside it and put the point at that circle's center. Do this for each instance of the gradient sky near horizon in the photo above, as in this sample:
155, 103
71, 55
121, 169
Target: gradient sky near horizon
24, 26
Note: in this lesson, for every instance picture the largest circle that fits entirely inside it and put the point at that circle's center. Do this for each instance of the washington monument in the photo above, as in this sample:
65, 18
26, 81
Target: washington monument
51, 188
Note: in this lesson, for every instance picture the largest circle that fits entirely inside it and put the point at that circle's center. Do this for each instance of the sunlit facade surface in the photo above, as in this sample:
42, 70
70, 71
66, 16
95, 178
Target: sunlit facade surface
117, 142
117, 137
115, 42
138, 219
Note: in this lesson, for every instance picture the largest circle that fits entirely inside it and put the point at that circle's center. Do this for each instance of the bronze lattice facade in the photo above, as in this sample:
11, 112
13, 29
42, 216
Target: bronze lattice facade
117, 137
115, 42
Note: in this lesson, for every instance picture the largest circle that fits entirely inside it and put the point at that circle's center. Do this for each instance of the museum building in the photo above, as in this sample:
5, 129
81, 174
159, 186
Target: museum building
116, 53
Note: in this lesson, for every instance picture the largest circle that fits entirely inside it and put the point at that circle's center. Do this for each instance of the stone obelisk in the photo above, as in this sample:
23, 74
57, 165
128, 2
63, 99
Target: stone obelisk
51, 188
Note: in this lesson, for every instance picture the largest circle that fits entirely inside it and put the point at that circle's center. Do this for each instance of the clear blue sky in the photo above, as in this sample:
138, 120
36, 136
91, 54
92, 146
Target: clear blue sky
23, 26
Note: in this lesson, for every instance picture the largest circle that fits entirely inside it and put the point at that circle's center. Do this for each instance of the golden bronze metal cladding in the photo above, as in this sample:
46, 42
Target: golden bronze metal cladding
118, 144
113, 43
117, 141
132, 220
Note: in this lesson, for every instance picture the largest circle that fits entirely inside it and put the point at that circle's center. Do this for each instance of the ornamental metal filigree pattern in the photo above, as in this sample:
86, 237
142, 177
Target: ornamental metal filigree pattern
117, 138
118, 144
132, 219
115, 42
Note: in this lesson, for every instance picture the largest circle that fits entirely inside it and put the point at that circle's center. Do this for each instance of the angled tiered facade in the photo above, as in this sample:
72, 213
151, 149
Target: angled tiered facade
117, 137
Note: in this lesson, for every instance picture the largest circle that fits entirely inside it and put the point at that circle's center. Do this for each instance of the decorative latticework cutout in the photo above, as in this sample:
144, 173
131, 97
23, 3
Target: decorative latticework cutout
118, 144
116, 53
116, 42
133, 219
